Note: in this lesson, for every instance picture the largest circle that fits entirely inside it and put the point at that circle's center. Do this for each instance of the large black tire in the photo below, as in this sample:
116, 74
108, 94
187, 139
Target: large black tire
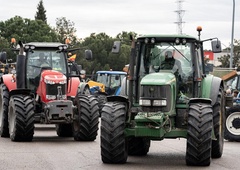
4, 102
232, 130
21, 118
199, 133
138, 146
114, 147
102, 99
64, 130
218, 124
85, 127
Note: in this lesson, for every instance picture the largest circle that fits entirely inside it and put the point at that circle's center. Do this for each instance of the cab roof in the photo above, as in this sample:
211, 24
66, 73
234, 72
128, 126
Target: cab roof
45, 44
167, 37
112, 72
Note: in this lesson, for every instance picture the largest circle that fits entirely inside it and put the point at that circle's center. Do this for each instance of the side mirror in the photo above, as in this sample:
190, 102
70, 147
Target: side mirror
3, 57
216, 46
88, 54
116, 47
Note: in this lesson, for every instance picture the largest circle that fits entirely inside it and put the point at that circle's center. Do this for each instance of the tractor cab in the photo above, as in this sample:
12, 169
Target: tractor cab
112, 81
44, 58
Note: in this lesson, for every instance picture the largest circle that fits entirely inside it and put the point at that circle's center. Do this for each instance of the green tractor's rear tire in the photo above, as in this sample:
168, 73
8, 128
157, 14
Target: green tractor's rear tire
218, 124
138, 146
199, 133
114, 147
232, 130
4, 102
85, 127
64, 130
21, 118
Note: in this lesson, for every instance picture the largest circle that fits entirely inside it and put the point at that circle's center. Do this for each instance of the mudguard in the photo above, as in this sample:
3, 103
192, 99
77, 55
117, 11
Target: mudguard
117, 98
210, 87
8, 80
73, 85
82, 86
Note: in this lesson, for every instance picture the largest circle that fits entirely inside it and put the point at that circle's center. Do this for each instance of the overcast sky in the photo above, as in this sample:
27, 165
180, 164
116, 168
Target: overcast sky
140, 16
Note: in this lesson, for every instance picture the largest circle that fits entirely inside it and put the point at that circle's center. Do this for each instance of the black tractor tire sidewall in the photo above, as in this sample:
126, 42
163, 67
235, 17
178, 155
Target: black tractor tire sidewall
114, 148
219, 124
85, 127
4, 103
21, 118
198, 151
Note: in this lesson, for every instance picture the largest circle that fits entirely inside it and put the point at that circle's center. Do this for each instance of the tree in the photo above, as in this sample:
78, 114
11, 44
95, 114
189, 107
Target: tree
25, 30
225, 59
41, 12
65, 29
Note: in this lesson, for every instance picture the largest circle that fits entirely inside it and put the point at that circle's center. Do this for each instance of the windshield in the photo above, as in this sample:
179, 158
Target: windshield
39, 59
52, 59
110, 80
163, 56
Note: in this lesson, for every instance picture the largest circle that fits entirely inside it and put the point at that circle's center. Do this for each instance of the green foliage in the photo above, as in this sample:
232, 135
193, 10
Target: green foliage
27, 30
65, 29
225, 59
24, 30
41, 13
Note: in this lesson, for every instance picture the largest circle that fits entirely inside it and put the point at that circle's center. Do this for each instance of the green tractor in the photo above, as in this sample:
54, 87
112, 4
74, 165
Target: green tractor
158, 102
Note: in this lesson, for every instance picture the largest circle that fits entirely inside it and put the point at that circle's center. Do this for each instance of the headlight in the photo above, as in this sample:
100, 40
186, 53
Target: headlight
63, 82
144, 102
159, 102
51, 97
49, 81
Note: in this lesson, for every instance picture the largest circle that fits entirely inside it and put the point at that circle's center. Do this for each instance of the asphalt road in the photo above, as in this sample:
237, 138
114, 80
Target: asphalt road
47, 151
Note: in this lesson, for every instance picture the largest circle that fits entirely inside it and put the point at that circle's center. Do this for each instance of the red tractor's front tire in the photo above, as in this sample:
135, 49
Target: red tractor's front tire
85, 126
4, 102
21, 118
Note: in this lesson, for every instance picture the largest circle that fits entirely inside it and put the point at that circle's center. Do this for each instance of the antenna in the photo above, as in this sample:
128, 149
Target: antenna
180, 14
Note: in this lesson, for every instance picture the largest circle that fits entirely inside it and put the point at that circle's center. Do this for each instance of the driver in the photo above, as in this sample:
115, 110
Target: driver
42, 61
170, 63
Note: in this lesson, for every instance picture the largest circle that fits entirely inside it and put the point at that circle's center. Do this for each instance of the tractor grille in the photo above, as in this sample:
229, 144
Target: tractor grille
156, 92
52, 89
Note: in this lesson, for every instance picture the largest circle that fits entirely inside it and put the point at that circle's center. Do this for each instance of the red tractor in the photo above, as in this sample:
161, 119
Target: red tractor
46, 89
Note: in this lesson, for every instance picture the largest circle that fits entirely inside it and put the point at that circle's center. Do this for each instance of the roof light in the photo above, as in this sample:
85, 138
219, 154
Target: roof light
153, 40
27, 47
184, 41
177, 41
32, 47
62, 47
146, 40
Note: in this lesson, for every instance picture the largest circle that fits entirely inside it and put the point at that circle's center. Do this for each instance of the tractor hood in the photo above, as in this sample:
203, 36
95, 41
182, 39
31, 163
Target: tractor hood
162, 78
52, 84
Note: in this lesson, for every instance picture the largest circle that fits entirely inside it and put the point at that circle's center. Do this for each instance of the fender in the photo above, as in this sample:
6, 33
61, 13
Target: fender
9, 81
210, 87
73, 85
117, 98
217, 83
82, 86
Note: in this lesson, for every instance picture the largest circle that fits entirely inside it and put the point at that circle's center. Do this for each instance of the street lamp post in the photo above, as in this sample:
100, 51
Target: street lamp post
231, 57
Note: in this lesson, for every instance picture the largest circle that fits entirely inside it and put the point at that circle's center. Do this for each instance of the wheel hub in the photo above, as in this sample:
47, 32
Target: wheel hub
236, 123
233, 123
